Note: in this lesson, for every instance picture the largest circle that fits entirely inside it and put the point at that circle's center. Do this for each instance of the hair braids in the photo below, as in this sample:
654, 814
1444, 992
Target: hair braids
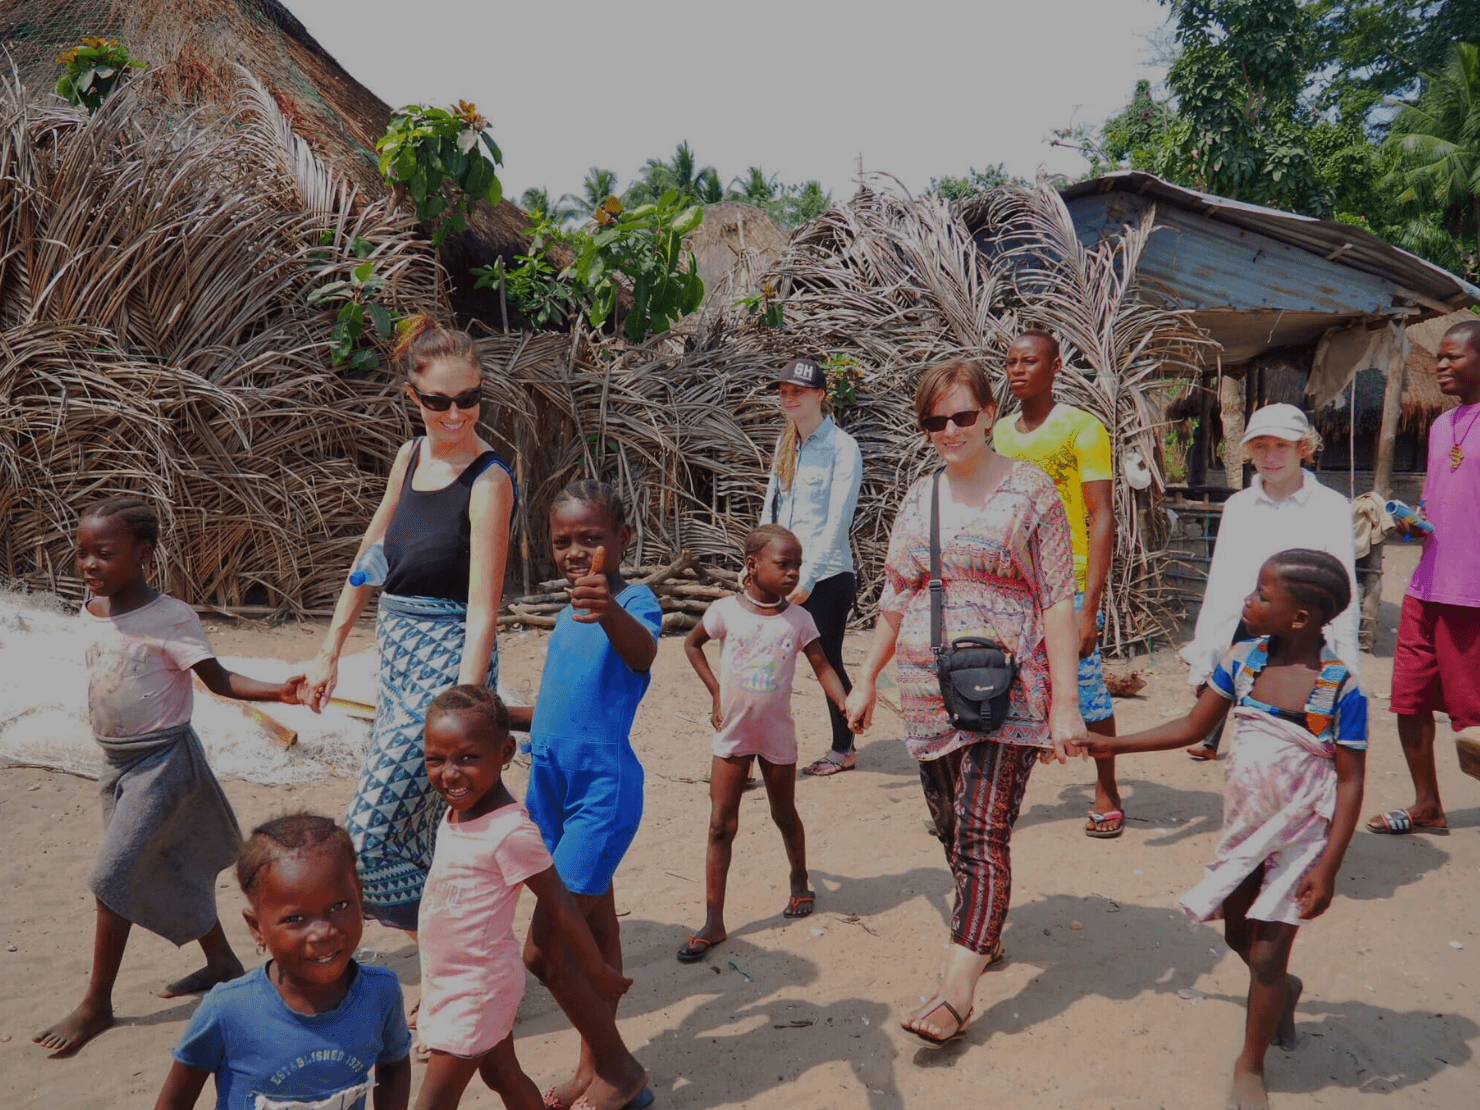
137, 517
603, 495
287, 836
1314, 578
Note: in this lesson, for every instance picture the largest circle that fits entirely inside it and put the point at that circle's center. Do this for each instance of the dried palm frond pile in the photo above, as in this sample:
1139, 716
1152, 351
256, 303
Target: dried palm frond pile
157, 341
154, 340
893, 283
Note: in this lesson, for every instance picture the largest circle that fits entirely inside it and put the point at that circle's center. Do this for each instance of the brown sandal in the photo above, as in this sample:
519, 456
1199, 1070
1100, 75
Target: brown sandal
832, 764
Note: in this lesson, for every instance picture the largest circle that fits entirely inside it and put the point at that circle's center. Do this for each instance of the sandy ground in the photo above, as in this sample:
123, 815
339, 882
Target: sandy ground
1109, 997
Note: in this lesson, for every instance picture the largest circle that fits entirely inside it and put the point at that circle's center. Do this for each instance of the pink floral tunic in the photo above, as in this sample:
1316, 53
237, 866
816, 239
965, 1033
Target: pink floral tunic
1001, 571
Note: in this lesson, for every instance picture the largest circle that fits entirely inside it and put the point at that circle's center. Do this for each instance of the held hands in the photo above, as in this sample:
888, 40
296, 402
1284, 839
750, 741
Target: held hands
1066, 729
295, 691
610, 983
1315, 893
1096, 746
859, 708
318, 685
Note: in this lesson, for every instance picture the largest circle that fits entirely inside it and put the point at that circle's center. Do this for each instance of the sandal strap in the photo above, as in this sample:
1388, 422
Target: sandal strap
1398, 819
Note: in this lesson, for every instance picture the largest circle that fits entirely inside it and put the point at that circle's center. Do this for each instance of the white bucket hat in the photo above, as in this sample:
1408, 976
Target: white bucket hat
1280, 421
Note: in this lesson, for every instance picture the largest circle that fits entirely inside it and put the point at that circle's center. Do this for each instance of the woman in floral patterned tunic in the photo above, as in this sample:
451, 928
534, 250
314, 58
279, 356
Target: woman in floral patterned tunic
1008, 570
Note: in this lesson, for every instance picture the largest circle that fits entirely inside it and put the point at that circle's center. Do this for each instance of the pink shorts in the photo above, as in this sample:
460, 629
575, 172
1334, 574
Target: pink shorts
1436, 662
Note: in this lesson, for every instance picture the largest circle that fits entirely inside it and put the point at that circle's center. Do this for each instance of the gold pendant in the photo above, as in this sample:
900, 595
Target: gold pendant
1456, 456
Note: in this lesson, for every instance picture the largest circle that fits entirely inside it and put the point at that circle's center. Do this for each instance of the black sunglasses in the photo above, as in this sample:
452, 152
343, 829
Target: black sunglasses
964, 419
440, 402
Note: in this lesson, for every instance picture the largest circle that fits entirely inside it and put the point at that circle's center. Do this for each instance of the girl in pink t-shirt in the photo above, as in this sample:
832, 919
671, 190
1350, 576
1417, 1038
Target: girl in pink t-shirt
472, 971
761, 634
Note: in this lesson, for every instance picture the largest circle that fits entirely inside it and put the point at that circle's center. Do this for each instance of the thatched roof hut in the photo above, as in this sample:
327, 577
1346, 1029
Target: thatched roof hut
735, 236
196, 43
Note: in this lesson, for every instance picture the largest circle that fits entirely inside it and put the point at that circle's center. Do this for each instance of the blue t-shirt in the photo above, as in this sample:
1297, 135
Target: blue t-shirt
588, 695
257, 1047
1336, 710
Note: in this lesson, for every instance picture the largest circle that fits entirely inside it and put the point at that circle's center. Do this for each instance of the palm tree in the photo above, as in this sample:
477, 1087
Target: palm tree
755, 187
1438, 146
536, 202
599, 184
696, 185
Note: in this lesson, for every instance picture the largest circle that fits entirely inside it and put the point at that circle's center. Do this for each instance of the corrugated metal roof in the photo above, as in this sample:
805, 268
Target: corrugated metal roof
1433, 287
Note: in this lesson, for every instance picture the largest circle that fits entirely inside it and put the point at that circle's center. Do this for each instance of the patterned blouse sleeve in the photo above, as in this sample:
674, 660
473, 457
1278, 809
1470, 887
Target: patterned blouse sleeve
1050, 547
904, 576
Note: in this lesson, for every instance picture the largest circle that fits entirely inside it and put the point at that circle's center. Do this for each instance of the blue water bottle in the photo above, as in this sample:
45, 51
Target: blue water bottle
371, 568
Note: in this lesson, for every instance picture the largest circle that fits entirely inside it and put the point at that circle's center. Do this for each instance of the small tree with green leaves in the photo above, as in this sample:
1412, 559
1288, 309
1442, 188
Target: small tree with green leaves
355, 298
93, 70
424, 147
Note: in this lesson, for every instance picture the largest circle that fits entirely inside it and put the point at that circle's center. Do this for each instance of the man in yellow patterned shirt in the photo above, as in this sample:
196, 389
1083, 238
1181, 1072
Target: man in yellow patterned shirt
1073, 449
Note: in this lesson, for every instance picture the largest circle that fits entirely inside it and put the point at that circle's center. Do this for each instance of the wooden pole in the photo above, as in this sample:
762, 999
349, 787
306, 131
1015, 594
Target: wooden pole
1392, 410
1231, 403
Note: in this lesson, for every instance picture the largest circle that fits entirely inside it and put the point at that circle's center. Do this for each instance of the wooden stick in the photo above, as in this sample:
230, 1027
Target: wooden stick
280, 732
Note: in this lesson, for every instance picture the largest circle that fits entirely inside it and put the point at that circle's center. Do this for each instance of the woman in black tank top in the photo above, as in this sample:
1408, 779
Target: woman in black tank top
444, 523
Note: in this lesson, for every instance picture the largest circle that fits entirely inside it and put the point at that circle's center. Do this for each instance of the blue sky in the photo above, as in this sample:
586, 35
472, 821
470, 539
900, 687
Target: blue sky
919, 88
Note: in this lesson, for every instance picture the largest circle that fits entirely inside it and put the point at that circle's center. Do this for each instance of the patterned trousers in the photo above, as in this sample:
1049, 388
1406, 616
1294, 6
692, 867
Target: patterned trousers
974, 794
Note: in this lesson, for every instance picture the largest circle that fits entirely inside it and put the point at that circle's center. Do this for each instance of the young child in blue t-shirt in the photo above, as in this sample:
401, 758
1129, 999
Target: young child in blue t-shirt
311, 1027
585, 781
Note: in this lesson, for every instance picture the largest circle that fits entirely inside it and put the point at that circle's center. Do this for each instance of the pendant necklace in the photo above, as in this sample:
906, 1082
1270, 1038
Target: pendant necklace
1457, 453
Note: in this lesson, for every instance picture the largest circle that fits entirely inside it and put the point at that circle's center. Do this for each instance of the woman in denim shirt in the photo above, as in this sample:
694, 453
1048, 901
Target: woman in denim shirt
813, 490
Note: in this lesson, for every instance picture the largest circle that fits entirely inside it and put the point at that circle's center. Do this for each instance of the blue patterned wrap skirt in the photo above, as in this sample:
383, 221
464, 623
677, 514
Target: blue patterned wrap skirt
393, 818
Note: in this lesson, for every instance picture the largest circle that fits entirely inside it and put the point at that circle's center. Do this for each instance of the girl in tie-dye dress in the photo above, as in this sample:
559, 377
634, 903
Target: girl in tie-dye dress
1294, 787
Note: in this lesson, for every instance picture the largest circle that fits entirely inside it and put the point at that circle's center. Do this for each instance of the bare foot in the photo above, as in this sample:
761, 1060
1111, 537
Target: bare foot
602, 1095
1247, 1091
1284, 1036
203, 980
75, 1030
563, 1095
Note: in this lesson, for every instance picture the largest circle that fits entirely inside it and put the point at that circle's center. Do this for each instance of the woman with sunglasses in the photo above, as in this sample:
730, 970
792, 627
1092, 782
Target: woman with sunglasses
444, 522
813, 491
1007, 566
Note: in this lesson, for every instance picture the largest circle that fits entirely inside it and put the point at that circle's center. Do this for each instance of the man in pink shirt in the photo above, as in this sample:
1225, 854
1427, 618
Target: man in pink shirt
1436, 665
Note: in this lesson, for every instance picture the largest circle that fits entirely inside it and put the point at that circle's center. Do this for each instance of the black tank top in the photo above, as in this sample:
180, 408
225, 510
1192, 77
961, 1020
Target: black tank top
427, 544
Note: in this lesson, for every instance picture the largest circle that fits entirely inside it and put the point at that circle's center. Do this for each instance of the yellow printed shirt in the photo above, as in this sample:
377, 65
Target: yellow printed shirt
1072, 448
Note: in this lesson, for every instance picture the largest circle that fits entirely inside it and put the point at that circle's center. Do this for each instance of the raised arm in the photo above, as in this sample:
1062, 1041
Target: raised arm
490, 509
323, 673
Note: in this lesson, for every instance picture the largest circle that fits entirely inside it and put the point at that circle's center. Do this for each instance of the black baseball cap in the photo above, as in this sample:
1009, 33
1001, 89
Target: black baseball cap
804, 372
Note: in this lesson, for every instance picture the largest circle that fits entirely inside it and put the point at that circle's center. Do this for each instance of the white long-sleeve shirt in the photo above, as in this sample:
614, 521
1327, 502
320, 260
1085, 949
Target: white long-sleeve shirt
1254, 527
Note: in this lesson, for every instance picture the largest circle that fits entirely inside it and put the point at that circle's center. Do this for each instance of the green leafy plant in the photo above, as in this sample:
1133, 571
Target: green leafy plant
424, 147
764, 305
356, 306
844, 376
93, 70
643, 245
544, 296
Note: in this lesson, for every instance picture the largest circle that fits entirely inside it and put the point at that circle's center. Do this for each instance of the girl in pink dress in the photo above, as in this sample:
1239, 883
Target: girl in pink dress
472, 969
762, 634
1294, 788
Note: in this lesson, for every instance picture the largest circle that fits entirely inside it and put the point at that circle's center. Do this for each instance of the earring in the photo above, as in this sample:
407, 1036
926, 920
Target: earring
261, 949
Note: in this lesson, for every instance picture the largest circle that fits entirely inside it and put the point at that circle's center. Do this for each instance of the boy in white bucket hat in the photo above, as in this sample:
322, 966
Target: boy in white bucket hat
1285, 507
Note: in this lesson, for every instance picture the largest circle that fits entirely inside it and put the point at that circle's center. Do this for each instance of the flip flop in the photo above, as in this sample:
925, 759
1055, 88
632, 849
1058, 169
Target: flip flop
801, 905
1467, 747
828, 765
1100, 819
937, 1042
696, 949
1399, 822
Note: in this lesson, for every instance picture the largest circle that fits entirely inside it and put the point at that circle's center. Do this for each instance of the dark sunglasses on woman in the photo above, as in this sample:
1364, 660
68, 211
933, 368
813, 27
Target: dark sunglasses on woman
963, 419
440, 402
